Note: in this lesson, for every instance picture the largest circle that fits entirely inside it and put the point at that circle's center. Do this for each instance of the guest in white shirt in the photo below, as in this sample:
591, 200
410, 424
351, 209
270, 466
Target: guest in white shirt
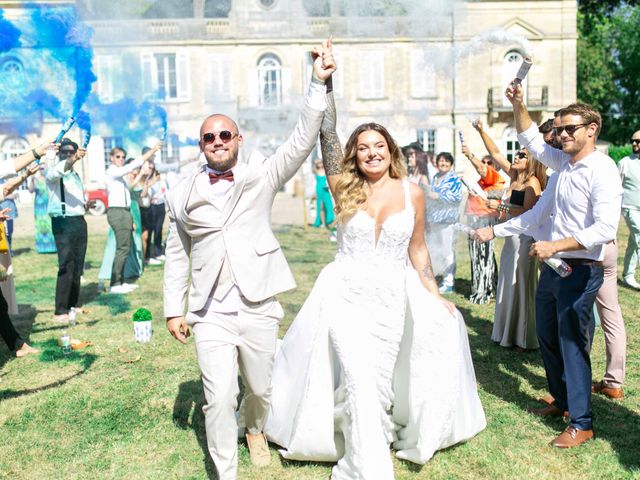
583, 214
119, 212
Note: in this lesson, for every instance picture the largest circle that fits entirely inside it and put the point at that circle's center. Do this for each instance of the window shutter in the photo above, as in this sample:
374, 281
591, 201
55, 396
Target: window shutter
219, 88
183, 76
423, 76
285, 86
372, 74
149, 76
253, 85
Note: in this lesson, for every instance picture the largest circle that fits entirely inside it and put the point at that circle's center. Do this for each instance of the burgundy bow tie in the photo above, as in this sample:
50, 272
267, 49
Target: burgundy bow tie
214, 177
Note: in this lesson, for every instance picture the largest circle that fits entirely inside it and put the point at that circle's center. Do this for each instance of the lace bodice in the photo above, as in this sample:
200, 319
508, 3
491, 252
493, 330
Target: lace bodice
357, 238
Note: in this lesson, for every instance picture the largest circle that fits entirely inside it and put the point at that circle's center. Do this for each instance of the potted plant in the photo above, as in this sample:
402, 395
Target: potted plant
142, 328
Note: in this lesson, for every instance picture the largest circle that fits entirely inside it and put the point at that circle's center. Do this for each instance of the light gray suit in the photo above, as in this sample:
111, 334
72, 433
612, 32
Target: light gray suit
211, 249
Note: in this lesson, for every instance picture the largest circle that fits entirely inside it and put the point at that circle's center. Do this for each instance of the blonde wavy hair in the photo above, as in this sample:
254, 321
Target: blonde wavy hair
352, 189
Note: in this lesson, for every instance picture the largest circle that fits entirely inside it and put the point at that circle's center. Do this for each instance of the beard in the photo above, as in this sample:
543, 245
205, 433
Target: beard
223, 165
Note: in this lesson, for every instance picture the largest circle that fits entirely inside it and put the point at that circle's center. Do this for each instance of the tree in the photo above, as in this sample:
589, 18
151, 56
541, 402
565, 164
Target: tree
608, 68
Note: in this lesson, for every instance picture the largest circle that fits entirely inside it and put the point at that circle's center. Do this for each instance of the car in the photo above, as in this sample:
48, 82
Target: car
97, 201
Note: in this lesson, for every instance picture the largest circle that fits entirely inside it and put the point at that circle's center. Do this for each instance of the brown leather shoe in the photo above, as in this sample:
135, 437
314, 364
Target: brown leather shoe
611, 392
258, 450
572, 437
548, 411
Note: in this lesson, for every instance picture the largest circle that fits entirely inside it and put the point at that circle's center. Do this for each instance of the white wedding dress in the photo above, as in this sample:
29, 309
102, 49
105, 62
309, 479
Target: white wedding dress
373, 358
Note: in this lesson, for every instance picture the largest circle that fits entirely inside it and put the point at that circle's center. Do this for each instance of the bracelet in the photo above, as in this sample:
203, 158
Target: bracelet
35, 154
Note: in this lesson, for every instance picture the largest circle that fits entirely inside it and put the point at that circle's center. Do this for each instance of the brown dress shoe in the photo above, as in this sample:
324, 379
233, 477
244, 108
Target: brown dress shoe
258, 450
548, 411
611, 392
572, 437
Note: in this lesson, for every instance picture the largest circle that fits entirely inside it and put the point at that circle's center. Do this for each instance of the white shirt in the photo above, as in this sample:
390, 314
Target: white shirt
586, 199
629, 168
117, 186
7, 169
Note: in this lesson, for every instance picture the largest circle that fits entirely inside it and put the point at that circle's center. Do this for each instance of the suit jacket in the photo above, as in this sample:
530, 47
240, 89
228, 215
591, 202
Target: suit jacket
241, 239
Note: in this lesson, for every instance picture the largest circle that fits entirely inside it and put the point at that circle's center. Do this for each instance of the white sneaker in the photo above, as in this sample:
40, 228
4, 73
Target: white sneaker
120, 289
131, 286
160, 257
153, 261
631, 282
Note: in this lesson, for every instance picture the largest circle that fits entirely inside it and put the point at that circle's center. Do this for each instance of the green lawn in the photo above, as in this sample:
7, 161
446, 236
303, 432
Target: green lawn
102, 413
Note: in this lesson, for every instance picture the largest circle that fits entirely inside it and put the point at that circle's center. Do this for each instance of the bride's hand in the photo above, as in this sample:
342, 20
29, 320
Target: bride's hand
449, 305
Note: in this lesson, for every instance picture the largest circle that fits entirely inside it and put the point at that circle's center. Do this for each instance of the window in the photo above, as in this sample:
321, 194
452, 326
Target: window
217, 8
12, 147
372, 74
511, 143
267, 3
109, 143
166, 76
510, 66
423, 76
427, 138
269, 80
12, 65
109, 73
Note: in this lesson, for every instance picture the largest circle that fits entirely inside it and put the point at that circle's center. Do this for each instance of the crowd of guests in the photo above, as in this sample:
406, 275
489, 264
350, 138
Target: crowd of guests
135, 215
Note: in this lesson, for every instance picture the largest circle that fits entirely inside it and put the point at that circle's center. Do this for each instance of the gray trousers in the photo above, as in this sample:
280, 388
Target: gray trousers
121, 222
225, 343
632, 254
615, 335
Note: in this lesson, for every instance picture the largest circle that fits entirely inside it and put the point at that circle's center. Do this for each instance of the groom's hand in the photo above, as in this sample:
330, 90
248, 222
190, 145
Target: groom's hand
178, 328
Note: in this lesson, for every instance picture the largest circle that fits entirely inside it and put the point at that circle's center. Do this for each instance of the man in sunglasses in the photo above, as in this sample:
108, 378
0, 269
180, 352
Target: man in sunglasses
579, 217
222, 251
630, 172
119, 211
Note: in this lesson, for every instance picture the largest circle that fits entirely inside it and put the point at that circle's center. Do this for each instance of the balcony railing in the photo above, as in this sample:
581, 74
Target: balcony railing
537, 98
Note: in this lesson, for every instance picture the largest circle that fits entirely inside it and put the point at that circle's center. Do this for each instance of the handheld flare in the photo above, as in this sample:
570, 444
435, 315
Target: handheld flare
65, 128
523, 70
461, 136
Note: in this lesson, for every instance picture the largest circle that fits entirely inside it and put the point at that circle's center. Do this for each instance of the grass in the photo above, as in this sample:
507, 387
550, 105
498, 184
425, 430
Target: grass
103, 413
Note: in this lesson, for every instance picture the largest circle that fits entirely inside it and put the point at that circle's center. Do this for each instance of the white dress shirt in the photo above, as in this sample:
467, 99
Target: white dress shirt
117, 186
585, 204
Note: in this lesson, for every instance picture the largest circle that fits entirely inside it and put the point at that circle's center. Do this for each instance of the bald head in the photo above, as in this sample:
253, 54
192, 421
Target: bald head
220, 142
635, 146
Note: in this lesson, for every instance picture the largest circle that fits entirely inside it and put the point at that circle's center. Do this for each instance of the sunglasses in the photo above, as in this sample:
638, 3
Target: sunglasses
225, 136
118, 156
570, 129
635, 140
522, 155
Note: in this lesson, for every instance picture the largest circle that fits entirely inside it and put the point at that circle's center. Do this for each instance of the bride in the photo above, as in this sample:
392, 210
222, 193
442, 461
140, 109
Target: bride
375, 356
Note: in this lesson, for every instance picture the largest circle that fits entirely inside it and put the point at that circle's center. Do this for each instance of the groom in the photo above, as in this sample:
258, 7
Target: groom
224, 267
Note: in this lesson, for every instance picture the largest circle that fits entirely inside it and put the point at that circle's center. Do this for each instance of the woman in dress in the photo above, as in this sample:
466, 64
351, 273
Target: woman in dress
324, 202
45, 243
443, 211
514, 318
354, 373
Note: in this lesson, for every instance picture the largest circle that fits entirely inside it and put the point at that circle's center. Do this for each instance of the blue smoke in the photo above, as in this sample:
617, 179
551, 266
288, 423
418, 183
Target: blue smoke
9, 34
51, 48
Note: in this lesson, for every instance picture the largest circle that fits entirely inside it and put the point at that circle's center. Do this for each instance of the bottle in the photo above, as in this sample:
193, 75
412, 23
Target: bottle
66, 343
461, 227
72, 317
559, 266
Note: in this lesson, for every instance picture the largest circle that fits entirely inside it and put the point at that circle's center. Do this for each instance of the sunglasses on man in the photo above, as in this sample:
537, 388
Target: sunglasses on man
635, 140
570, 129
225, 136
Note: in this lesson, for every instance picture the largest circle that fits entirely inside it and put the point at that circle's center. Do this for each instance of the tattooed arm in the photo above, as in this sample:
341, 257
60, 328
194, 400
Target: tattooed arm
418, 252
332, 155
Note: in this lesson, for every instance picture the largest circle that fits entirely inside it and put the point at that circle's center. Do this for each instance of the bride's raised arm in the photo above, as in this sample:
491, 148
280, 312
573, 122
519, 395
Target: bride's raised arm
332, 154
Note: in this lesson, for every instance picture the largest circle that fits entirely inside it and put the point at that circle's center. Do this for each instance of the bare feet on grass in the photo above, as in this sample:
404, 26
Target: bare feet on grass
25, 350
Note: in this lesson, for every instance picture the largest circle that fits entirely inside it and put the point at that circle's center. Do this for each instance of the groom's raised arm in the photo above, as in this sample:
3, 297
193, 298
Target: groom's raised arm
286, 161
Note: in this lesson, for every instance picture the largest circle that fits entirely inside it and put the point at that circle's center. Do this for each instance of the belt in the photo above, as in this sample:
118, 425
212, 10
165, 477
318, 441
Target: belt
574, 262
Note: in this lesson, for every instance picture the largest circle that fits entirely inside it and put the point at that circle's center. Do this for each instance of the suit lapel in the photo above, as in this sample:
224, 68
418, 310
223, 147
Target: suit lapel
197, 211
240, 174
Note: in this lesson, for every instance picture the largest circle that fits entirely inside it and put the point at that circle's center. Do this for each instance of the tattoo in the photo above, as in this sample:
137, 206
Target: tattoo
427, 271
332, 155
